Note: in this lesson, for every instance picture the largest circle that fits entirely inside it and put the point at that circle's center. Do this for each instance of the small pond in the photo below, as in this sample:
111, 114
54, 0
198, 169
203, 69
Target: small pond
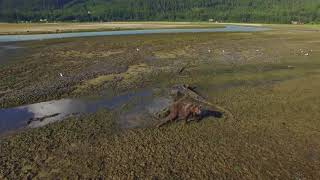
41, 114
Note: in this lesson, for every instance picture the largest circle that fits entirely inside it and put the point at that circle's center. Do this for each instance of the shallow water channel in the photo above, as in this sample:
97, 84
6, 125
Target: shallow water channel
41, 114
231, 28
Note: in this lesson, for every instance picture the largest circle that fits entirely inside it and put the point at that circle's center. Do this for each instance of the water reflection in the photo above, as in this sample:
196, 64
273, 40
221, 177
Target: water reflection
63, 108
229, 28
143, 115
40, 114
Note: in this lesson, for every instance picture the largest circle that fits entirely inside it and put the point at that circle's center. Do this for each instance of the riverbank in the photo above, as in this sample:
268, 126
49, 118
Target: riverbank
268, 80
49, 28
53, 28
30, 37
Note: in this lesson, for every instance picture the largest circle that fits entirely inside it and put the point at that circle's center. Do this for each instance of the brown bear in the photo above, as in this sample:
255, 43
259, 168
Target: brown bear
182, 111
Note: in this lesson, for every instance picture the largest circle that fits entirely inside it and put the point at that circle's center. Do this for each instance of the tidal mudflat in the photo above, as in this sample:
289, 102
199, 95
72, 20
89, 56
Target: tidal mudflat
268, 80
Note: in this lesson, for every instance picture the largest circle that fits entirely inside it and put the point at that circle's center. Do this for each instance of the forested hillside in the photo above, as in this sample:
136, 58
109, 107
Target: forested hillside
267, 11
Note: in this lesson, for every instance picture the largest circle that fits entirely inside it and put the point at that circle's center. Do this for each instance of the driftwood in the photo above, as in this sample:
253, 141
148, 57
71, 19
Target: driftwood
42, 118
190, 92
182, 69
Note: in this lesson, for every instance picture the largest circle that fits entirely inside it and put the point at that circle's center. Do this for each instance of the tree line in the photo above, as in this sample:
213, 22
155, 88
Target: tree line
263, 11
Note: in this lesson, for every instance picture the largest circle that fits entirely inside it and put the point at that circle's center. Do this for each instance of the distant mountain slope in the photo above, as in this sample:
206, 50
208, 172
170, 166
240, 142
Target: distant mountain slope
276, 11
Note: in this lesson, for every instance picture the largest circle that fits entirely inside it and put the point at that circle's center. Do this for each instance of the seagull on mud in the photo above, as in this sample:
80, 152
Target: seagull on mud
61, 75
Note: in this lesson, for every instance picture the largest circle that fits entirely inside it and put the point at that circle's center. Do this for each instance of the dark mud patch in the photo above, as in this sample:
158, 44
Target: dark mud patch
263, 83
254, 68
9, 52
211, 113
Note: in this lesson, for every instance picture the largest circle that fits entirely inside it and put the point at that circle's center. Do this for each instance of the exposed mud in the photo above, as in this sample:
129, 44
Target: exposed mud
9, 52
50, 90
272, 92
